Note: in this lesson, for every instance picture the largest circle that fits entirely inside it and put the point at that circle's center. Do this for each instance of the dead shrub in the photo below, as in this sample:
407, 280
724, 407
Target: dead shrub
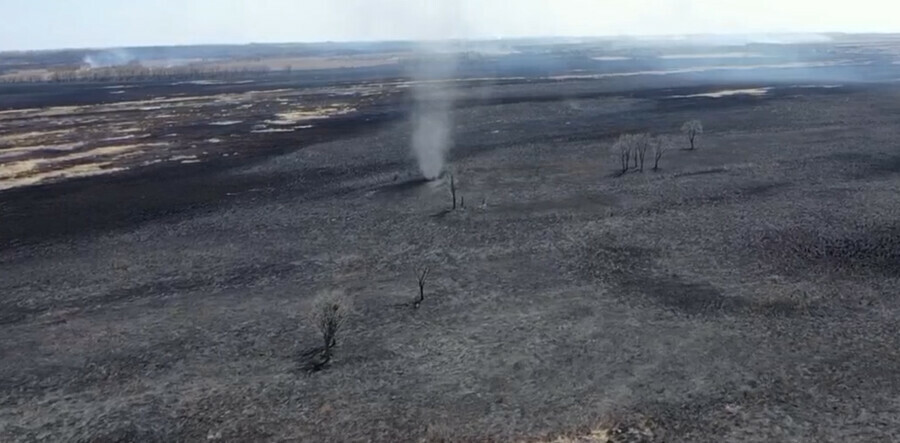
329, 315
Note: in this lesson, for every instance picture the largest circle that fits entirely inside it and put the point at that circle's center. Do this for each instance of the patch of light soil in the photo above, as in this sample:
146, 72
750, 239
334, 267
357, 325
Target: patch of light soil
24, 170
200, 82
28, 136
595, 436
103, 152
82, 170
795, 65
726, 93
124, 137
271, 130
610, 58
13, 152
818, 86
710, 55
299, 115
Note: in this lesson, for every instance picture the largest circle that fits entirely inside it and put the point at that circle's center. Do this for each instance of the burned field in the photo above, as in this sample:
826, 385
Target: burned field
746, 291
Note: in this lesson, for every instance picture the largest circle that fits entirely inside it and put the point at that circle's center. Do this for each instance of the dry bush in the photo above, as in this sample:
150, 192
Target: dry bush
329, 320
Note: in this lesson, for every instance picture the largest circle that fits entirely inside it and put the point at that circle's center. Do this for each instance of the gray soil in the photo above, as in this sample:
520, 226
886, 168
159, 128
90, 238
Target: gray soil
744, 292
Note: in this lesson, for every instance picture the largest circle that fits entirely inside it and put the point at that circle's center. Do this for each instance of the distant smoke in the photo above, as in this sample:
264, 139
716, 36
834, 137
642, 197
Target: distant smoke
432, 119
721, 39
109, 58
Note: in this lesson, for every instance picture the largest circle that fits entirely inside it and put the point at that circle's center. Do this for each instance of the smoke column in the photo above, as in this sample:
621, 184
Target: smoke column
433, 86
432, 118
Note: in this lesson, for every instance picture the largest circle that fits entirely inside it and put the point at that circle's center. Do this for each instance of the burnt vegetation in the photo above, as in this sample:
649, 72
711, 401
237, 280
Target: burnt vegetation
722, 296
854, 251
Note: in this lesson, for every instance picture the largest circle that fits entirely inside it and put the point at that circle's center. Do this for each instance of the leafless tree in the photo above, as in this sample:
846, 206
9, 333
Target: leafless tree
632, 148
421, 276
329, 316
660, 146
692, 128
642, 143
622, 147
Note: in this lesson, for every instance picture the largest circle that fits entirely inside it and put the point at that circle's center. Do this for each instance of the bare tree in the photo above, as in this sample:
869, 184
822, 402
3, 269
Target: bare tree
329, 316
632, 148
660, 146
642, 143
421, 276
692, 128
622, 147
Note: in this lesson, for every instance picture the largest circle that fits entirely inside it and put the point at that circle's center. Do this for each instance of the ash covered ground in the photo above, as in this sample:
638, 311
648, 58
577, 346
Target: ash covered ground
163, 245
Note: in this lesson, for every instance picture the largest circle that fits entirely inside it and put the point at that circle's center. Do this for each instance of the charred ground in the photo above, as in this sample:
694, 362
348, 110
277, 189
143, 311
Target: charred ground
746, 292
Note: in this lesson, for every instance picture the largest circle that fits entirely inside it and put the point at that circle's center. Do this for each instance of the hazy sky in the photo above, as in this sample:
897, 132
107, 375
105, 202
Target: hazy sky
40, 24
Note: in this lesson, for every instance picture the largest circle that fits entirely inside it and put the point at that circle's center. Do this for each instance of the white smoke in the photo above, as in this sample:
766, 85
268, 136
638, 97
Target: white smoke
432, 120
432, 138
433, 81
109, 58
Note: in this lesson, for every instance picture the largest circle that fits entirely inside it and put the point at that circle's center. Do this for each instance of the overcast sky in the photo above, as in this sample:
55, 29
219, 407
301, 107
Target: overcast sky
42, 24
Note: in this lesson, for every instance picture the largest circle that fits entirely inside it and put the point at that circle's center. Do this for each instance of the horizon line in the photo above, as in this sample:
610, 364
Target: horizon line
458, 40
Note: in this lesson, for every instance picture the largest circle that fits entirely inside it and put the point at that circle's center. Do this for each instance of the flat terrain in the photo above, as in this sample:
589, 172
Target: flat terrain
747, 291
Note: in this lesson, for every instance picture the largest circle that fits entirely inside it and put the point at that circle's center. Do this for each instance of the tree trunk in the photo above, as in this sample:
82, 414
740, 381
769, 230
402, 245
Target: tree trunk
453, 191
641, 155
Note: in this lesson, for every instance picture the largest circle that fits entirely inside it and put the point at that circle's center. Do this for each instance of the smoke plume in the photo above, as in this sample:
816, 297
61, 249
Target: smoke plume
432, 118
109, 58
433, 86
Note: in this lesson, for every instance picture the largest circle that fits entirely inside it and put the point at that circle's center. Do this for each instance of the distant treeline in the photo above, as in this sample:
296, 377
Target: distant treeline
133, 72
